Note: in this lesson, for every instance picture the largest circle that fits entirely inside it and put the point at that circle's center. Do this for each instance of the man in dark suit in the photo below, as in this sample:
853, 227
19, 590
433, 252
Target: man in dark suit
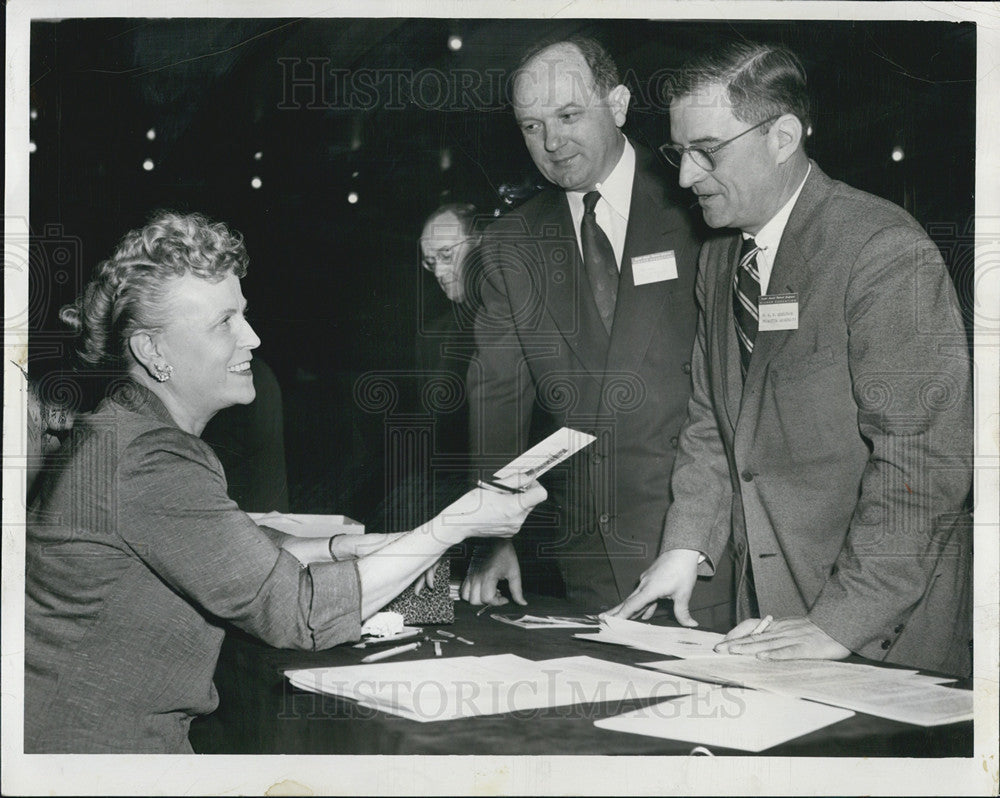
830, 429
587, 321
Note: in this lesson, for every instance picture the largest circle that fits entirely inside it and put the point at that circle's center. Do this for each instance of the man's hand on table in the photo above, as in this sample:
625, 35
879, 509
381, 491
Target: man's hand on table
487, 570
672, 575
789, 638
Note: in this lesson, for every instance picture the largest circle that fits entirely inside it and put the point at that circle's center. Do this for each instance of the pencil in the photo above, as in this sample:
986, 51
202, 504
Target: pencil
490, 485
392, 652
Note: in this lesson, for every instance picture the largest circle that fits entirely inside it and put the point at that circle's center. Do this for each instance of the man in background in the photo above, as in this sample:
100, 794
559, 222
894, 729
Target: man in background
448, 250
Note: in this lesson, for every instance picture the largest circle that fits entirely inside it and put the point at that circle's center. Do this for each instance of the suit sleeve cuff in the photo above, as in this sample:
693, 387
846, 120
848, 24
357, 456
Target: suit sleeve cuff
707, 558
851, 624
335, 613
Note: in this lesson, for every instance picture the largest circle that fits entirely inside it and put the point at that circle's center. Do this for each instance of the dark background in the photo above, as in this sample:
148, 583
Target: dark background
334, 288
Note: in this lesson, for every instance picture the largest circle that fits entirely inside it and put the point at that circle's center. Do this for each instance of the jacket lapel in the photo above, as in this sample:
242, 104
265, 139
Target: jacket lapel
791, 273
639, 307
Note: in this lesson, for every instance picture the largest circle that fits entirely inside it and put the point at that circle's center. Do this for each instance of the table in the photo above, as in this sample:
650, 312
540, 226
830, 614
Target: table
261, 713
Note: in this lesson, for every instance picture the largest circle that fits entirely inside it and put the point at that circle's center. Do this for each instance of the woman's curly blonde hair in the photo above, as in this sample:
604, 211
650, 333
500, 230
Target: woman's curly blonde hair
126, 293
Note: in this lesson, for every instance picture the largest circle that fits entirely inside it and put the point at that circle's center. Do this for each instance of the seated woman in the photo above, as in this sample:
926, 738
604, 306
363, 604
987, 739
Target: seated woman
134, 550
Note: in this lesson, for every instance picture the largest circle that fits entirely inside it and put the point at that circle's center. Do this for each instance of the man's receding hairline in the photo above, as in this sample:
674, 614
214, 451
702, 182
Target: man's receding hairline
540, 57
435, 218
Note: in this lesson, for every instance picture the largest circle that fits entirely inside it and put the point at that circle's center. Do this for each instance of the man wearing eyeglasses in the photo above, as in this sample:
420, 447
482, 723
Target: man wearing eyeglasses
448, 238
588, 320
829, 435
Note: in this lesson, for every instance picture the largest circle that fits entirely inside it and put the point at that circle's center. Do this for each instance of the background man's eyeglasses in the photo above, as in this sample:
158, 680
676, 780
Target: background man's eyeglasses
702, 156
445, 255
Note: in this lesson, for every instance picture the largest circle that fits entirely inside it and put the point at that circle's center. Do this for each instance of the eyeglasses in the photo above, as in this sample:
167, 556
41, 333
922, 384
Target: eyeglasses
702, 156
444, 254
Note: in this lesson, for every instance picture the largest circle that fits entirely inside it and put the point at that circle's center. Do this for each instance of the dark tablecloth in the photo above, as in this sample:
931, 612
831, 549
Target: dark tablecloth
261, 713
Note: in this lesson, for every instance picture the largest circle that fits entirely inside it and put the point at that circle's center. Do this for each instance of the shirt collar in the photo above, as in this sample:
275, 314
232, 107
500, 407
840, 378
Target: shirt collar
617, 189
769, 235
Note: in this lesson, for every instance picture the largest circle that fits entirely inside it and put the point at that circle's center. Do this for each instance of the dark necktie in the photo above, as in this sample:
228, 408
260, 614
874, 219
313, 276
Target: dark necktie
746, 292
599, 258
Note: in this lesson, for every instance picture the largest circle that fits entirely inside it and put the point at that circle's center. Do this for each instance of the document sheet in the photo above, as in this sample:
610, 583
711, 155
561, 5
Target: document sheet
545, 621
542, 456
674, 641
730, 717
897, 694
460, 687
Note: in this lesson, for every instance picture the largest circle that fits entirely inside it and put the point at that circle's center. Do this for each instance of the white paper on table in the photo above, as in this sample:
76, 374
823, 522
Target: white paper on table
926, 678
309, 526
907, 701
545, 621
892, 693
542, 456
597, 680
458, 687
728, 717
674, 641
788, 676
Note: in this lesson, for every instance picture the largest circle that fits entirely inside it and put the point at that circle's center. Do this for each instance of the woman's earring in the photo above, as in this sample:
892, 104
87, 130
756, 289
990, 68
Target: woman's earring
162, 373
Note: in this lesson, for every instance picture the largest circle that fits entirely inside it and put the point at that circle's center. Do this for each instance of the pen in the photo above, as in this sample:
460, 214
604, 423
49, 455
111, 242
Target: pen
490, 485
764, 623
483, 609
443, 633
392, 652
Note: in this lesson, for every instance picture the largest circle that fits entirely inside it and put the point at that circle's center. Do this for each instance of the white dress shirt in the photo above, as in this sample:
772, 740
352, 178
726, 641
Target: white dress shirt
770, 236
613, 207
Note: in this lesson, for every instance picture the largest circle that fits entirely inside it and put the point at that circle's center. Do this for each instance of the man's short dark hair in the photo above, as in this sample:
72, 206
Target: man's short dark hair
762, 80
602, 65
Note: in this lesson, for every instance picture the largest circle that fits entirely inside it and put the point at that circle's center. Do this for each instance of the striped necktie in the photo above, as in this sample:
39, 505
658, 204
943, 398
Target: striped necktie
599, 259
746, 292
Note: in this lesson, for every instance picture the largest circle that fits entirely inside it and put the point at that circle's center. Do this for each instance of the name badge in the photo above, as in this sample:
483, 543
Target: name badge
778, 312
654, 268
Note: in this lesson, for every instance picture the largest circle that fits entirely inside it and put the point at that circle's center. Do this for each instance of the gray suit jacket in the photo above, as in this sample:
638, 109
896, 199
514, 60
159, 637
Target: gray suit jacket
845, 460
544, 360
134, 551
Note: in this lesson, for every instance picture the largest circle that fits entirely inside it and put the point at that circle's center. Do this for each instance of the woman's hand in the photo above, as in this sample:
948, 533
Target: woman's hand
426, 579
485, 512
480, 512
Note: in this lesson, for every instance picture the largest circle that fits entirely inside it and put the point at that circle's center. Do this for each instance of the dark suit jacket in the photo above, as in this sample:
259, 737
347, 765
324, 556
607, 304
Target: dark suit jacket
441, 369
845, 459
541, 345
